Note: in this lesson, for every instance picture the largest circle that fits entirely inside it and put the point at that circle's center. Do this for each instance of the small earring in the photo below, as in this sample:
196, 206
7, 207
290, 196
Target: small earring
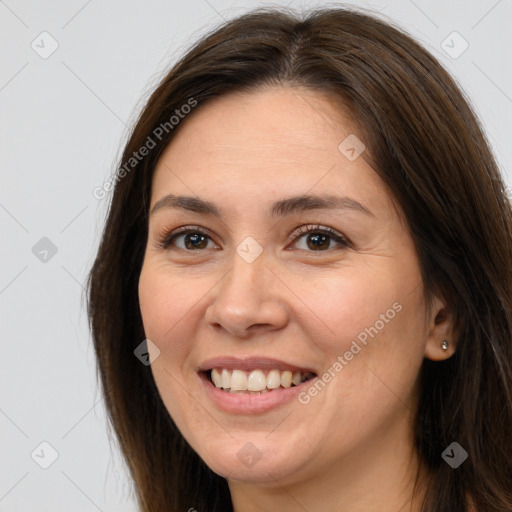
444, 345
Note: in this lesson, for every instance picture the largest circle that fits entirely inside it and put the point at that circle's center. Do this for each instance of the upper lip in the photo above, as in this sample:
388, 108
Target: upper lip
251, 363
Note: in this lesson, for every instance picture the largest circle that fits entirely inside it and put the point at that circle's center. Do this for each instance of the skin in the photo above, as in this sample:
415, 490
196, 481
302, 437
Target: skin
351, 447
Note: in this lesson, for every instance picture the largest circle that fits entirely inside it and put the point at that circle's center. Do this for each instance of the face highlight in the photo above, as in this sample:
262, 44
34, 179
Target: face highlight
269, 242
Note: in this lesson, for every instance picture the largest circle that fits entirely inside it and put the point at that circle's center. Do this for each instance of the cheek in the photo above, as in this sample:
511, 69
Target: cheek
168, 315
372, 347
370, 327
167, 309
345, 307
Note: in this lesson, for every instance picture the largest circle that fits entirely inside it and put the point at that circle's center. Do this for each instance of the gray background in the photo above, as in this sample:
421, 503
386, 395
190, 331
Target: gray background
63, 119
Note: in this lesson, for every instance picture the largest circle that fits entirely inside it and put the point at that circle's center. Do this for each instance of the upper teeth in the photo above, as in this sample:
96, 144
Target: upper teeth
239, 380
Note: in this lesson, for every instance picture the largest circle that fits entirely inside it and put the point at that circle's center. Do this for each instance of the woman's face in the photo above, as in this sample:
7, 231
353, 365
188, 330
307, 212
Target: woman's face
260, 289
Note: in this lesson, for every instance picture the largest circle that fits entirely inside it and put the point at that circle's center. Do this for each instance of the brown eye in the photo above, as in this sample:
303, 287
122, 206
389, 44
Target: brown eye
193, 239
319, 238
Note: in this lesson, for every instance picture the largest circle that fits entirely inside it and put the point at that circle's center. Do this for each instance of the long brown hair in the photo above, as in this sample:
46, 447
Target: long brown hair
425, 142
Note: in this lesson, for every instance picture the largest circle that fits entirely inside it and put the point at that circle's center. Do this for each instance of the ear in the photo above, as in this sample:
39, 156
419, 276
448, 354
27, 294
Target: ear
441, 326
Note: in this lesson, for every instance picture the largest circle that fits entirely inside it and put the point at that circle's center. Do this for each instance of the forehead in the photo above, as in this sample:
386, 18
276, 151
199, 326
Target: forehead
266, 142
277, 118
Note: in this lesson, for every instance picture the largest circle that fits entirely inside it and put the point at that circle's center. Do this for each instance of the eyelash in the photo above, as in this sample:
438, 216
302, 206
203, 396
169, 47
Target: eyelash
165, 239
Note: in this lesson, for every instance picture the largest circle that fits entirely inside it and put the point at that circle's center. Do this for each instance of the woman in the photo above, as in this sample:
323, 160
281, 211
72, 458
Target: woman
303, 294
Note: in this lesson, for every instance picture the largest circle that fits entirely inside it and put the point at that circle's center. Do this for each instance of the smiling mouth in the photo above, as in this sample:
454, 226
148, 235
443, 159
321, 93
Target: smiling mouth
255, 382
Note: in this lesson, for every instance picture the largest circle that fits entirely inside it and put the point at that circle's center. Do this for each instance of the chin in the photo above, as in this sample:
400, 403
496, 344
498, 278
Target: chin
260, 462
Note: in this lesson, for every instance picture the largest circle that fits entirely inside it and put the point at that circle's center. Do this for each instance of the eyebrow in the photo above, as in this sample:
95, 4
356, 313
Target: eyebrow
280, 208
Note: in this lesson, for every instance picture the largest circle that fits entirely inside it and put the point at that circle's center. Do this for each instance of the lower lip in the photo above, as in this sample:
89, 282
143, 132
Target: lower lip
251, 403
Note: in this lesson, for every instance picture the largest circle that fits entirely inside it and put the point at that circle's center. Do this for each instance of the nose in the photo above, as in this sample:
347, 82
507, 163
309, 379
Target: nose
249, 299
